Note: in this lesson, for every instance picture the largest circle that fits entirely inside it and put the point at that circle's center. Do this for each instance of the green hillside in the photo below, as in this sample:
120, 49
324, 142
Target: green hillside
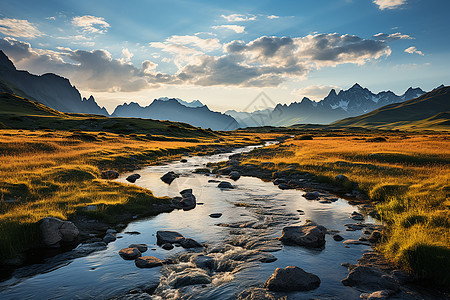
429, 111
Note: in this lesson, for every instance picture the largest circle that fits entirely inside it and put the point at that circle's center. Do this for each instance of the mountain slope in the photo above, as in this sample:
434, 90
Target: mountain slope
173, 110
431, 110
49, 89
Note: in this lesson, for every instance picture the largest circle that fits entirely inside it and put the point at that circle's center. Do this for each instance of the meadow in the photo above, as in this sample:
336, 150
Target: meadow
58, 173
406, 174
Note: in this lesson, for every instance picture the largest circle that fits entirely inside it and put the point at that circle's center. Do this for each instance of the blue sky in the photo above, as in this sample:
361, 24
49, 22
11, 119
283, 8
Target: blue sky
225, 53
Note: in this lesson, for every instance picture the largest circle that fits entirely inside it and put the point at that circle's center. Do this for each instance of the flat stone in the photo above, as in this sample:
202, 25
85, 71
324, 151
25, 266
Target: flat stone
215, 215
292, 279
129, 253
147, 262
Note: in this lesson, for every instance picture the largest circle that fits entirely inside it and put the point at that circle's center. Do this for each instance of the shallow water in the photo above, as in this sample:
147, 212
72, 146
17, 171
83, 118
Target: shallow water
105, 274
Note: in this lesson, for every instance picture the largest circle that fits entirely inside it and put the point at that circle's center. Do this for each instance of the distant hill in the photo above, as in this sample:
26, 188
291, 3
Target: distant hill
429, 111
347, 103
49, 89
174, 110
21, 113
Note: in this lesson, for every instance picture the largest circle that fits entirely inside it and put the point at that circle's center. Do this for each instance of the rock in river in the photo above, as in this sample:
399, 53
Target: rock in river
167, 246
235, 175
55, 231
225, 185
129, 253
215, 215
141, 247
311, 195
190, 243
171, 237
292, 279
188, 277
369, 279
312, 236
109, 237
169, 177
132, 178
147, 262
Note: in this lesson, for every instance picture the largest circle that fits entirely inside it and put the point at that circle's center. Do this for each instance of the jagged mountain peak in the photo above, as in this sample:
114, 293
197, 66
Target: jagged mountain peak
5, 62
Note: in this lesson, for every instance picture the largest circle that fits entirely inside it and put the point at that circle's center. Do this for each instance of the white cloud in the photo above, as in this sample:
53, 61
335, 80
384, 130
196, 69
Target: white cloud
239, 17
91, 24
392, 36
413, 50
389, 4
235, 28
315, 92
193, 40
126, 55
19, 28
273, 17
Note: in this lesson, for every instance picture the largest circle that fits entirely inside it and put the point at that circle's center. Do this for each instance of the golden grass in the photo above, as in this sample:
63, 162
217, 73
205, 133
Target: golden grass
51, 173
408, 175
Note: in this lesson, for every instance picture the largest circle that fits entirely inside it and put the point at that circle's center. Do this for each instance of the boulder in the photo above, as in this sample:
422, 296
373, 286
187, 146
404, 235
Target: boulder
369, 279
190, 243
311, 195
110, 174
141, 247
129, 253
169, 177
338, 238
203, 262
55, 231
225, 185
235, 175
188, 201
132, 178
147, 262
167, 246
311, 236
188, 277
292, 279
172, 237
186, 191
109, 237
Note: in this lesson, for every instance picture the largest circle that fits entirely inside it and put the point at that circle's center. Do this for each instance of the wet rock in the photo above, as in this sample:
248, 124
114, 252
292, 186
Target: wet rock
255, 294
163, 237
369, 279
186, 191
167, 246
110, 174
375, 236
147, 262
225, 185
203, 262
169, 177
109, 237
113, 231
283, 186
312, 236
356, 242
183, 160
141, 247
55, 231
215, 215
383, 294
280, 181
132, 178
353, 227
213, 181
188, 200
129, 253
311, 195
301, 212
338, 238
357, 216
188, 277
292, 279
190, 243
235, 175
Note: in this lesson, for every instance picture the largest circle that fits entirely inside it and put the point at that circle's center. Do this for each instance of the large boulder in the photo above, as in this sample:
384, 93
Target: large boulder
55, 231
171, 237
169, 177
311, 236
292, 279
147, 262
132, 178
110, 174
369, 279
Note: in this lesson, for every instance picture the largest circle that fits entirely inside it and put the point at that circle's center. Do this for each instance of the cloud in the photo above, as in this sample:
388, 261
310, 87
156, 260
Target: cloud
235, 28
413, 50
392, 36
91, 24
389, 4
19, 28
239, 17
126, 55
315, 92
273, 17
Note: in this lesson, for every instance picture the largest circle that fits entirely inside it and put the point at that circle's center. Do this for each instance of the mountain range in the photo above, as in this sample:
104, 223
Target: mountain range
49, 89
347, 103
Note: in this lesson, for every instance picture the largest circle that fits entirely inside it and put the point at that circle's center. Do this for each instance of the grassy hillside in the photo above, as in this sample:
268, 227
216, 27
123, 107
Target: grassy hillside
408, 175
429, 111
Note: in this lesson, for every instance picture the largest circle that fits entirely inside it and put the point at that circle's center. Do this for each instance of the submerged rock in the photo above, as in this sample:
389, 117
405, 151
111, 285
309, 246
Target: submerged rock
312, 236
369, 279
292, 279
129, 253
132, 178
55, 231
147, 262
169, 177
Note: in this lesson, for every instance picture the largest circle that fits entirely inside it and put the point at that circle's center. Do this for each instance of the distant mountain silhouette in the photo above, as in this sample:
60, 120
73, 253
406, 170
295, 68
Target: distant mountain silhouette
175, 110
429, 111
49, 89
347, 103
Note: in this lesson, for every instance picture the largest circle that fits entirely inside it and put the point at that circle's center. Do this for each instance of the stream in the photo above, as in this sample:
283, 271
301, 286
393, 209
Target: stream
246, 233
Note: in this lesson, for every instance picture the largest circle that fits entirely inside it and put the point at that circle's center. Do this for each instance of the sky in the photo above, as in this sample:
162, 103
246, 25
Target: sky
225, 53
